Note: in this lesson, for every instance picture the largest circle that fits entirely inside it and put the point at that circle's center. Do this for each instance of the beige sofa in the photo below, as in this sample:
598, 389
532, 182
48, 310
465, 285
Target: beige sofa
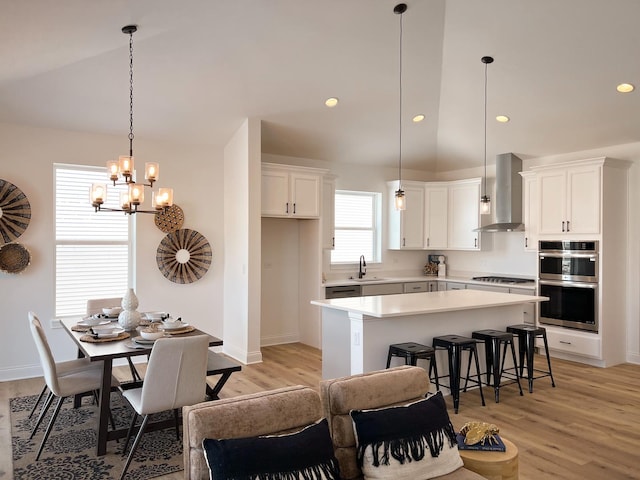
292, 408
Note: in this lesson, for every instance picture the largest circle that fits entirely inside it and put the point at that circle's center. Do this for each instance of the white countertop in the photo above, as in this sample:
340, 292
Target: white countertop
383, 306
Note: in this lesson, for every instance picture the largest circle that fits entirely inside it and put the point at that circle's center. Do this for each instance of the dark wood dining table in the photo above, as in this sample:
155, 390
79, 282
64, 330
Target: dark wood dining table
107, 352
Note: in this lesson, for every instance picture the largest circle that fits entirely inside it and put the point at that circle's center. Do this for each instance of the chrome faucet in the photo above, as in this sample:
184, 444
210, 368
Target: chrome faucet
363, 267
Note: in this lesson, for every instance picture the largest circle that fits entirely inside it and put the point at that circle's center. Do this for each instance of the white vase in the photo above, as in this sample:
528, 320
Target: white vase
129, 318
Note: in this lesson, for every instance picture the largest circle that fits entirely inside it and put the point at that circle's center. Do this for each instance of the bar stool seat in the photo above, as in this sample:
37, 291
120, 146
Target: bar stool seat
411, 352
527, 335
493, 339
455, 345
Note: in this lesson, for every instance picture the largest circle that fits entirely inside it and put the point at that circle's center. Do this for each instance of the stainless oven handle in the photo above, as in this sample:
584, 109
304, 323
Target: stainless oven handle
568, 255
568, 284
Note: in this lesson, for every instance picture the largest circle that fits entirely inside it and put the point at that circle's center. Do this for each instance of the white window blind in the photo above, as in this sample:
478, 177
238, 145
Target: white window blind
92, 248
357, 227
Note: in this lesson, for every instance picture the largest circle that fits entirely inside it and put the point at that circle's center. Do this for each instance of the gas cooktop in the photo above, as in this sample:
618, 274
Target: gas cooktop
508, 280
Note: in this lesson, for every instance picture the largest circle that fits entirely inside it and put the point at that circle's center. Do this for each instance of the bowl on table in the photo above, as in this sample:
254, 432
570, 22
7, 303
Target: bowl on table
93, 320
156, 316
172, 323
151, 333
112, 311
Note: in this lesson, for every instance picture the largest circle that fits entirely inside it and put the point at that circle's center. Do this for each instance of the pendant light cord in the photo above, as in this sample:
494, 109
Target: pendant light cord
131, 93
485, 128
400, 113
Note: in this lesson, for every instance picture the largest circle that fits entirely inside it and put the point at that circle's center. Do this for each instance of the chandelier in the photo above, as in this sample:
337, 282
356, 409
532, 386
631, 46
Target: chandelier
131, 200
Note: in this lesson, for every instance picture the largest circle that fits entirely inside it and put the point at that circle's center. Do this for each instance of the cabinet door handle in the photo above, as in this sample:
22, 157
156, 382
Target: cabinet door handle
563, 225
568, 226
526, 242
287, 208
404, 242
294, 208
427, 242
333, 241
565, 342
475, 243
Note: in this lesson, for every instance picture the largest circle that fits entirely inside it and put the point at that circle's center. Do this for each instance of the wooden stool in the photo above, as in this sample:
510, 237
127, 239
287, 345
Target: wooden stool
493, 465
455, 345
411, 352
527, 335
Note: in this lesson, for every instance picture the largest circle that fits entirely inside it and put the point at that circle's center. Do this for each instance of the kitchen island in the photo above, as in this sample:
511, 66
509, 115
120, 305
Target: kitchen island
357, 331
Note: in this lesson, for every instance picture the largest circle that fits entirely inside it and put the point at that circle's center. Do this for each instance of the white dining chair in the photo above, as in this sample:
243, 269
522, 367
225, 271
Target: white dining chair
95, 305
76, 377
175, 377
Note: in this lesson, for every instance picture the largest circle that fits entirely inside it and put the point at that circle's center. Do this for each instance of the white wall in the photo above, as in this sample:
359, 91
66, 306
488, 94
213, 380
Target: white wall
242, 180
194, 172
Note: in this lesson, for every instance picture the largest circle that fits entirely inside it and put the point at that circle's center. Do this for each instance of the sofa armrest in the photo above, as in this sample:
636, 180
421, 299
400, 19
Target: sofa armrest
266, 413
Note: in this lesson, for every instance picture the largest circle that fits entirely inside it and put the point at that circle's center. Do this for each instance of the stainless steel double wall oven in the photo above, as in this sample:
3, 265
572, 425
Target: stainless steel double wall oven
568, 275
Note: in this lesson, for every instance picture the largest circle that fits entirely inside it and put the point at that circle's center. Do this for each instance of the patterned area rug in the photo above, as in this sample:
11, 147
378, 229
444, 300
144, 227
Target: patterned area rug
70, 449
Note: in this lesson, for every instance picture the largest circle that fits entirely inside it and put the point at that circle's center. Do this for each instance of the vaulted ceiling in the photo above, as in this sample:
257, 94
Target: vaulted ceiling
203, 66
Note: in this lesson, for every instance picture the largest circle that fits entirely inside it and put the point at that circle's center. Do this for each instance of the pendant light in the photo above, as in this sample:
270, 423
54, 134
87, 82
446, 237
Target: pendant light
124, 166
485, 201
400, 198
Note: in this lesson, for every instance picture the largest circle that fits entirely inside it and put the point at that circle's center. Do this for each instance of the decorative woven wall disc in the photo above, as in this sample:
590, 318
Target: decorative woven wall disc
15, 212
184, 256
170, 220
14, 258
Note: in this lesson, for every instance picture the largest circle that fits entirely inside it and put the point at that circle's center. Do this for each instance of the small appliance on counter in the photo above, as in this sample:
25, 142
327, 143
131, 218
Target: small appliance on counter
442, 267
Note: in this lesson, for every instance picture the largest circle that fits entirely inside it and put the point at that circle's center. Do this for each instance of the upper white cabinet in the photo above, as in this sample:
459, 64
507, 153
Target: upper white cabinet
328, 212
407, 226
569, 199
436, 215
291, 191
530, 205
464, 214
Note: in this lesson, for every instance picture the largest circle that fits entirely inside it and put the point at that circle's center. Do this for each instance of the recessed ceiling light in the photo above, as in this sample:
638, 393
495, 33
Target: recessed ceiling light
625, 88
331, 102
502, 118
418, 118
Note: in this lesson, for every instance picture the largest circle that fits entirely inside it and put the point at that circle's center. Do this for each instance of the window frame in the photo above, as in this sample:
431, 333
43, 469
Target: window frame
376, 247
116, 287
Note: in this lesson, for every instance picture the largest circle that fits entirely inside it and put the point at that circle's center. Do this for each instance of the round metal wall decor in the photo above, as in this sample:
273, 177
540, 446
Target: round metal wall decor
14, 258
15, 212
184, 256
169, 220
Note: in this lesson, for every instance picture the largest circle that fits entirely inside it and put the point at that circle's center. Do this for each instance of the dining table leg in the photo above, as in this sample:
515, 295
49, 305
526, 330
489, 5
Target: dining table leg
104, 407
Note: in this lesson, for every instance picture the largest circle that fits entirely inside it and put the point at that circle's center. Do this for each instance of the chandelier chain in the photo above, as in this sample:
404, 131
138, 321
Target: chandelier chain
130, 93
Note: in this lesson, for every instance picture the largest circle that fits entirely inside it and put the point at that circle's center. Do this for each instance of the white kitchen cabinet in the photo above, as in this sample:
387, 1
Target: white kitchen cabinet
572, 342
455, 286
406, 227
530, 216
436, 215
328, 212
569, 199
290, 191
464, 215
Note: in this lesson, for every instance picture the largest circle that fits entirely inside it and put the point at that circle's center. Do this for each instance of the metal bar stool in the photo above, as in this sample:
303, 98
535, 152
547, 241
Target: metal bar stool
455, 345
411, 352
527, 335
493, 339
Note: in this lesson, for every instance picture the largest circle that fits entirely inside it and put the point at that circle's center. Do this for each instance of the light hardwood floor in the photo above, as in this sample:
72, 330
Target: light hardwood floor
585, 428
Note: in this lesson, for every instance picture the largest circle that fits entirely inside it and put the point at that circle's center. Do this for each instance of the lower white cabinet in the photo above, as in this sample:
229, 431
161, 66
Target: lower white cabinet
455, 286
415, 287
574, 342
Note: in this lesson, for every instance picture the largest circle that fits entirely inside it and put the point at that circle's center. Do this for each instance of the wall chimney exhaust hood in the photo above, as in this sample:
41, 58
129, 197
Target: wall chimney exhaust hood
508, 195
